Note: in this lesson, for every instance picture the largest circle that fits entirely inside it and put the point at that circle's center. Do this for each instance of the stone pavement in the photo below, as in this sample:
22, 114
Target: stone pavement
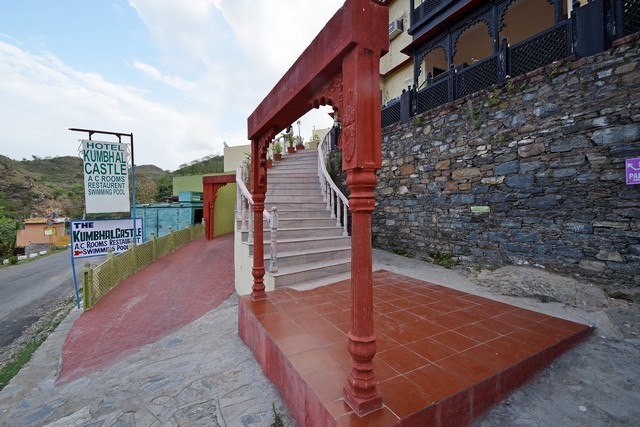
203, 374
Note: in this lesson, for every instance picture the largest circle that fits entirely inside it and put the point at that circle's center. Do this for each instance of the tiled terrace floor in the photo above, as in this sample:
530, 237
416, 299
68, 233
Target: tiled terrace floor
444, 356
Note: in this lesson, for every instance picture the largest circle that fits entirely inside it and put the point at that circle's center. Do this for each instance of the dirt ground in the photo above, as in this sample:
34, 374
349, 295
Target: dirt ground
595, 384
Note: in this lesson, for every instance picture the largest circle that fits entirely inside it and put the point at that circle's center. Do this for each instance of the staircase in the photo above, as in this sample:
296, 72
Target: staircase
312, 250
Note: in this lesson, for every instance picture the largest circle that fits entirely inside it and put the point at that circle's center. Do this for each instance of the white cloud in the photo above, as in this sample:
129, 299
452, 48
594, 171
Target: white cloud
43, 98
215, 61
173, 81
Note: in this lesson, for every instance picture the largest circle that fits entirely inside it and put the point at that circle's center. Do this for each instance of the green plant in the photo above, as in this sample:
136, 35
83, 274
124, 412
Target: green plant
510, 86
416, 121
474, 113
277, 418
13, 260
403, 253
443, 260
290, 139
494, 98
277, 148
554, 69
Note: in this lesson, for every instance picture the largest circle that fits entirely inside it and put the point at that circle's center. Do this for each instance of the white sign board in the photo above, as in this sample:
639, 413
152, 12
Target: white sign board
96, 237
106, 179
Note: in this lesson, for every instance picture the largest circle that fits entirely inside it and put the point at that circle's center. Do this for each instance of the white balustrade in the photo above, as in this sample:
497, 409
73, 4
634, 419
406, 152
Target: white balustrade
332, 195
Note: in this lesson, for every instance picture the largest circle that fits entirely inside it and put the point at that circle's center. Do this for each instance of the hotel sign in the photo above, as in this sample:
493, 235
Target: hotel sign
97, 237
106, 179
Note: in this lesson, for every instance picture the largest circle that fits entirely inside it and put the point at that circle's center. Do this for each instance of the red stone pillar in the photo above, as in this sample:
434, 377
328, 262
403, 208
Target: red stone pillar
361, 156
258, 191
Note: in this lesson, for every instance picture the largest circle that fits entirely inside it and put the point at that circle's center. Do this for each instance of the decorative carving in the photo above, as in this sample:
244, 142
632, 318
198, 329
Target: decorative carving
347, 140
329, 94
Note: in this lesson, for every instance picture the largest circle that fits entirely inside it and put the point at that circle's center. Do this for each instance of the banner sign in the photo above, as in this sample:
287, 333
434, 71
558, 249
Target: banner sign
96, 237
632, 169
106, 179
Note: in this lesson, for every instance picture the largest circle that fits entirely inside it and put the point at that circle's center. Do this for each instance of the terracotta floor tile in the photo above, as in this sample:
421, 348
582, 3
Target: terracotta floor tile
328, 383
470, 341
381, 418
326, 308
339, 352
437, 383
455, 340
477, 333
403, 397
402, 359
452, 320
311, 361
431, 350
383, 371
338, 317
464, 366
494, 325
324, 332
517, 349
384, 308
532, 338
296, 343
384, 342
569, 326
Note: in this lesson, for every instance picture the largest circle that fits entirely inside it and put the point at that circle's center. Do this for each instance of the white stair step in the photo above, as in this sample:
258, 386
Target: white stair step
301, 258
288, 276
304, 233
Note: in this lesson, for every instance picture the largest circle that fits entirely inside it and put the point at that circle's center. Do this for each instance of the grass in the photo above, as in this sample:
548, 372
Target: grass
37, 337
277, 419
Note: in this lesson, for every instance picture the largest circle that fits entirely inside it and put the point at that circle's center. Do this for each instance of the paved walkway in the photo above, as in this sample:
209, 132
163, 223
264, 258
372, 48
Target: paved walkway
201, 373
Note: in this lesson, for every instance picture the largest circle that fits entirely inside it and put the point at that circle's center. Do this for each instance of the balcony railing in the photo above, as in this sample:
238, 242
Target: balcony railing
552, 44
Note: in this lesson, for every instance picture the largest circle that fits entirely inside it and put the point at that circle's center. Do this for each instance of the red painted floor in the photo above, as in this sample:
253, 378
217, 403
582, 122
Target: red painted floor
444, 356
159, 299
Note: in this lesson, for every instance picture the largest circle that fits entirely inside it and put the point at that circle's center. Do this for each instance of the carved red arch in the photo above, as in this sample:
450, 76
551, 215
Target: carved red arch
339, 68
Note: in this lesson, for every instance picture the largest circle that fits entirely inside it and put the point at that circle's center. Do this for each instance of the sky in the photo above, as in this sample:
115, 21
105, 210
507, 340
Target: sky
182, 76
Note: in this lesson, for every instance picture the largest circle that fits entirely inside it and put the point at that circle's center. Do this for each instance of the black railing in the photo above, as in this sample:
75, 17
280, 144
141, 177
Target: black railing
546, 47
471, 79
542, 49
630, 16
390, 114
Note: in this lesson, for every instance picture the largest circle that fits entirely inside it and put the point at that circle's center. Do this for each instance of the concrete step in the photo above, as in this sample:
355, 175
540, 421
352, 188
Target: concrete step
303, 233
297, 206
284, 222
312, 243
301, 258
288, 185
322, 281
276, 199
288, 276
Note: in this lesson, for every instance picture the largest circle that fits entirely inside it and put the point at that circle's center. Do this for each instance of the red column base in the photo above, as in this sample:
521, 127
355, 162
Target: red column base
362, 407
258, 295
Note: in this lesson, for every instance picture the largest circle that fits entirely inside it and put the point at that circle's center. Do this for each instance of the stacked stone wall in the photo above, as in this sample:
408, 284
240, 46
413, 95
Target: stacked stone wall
531, 172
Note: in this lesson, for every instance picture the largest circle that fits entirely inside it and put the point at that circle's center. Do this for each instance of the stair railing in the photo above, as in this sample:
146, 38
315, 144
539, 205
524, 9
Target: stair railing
244, 210
336, 201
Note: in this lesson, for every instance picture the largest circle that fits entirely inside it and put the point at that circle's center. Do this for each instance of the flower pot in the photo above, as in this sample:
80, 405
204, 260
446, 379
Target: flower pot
277, 156
291, 150
269, 163
299, 147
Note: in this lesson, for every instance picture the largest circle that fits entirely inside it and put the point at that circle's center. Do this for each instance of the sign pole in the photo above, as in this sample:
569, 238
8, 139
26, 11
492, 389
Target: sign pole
133, 188
75, 279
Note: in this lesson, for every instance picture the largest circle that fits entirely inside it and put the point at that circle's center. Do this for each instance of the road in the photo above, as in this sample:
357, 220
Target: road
30, 290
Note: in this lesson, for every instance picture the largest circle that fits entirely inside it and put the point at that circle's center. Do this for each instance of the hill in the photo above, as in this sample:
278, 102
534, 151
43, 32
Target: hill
28, 188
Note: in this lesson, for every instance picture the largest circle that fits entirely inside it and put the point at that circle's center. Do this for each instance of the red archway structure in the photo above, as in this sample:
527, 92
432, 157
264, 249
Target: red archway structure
210, 186
341, 68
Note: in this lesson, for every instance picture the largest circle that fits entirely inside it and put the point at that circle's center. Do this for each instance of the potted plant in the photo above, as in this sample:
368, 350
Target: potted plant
299, 145
277, 151
269, 162
290, 148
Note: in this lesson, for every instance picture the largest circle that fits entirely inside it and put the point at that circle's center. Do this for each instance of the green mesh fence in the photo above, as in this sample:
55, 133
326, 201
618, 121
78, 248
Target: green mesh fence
98, 281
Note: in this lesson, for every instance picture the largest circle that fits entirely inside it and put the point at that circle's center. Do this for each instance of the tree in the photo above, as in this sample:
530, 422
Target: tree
146, 189
8, 228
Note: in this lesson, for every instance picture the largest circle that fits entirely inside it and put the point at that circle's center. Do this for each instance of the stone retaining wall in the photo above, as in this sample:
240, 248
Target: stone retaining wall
529, 172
